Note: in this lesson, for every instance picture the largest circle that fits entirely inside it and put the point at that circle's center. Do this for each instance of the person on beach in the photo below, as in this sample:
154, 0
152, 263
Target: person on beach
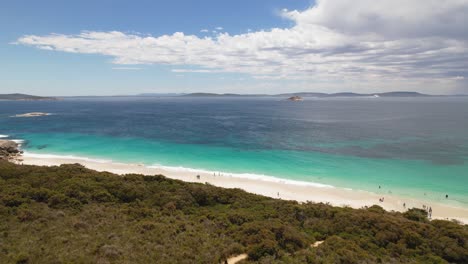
278, 194
446, 196
430, 212
198, 177
404, 205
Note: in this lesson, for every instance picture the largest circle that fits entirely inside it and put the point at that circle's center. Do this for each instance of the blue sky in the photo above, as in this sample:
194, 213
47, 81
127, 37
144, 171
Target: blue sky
261, 46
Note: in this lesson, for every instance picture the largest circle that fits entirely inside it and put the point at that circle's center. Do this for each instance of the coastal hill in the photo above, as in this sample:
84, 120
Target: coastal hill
72, 214
221, 95
24, 97
320, 95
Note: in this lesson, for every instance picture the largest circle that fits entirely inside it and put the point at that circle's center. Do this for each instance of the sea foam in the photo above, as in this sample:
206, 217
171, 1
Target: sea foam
53, 156
251, 176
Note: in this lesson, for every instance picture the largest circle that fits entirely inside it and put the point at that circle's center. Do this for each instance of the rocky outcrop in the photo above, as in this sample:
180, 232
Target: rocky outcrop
9, 150
295, 98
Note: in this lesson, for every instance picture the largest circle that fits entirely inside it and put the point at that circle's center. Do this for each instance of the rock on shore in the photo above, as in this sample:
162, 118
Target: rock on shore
9, 150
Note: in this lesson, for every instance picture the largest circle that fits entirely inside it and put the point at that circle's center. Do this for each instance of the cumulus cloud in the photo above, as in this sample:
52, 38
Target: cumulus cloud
126, 68
192, 70
344, 41
389, 18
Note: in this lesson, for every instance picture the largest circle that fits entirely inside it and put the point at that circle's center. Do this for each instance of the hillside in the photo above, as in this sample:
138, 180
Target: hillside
310, 94
70, 214
221, 95
25, 97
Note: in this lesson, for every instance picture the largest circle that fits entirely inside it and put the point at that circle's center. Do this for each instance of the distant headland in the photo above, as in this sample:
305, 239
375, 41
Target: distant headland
24, 97
320, 95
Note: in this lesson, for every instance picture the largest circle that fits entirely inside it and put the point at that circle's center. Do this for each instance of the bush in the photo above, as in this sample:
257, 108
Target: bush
102, 196
72, 214
61, 201
264, 248
416, 214
25, 214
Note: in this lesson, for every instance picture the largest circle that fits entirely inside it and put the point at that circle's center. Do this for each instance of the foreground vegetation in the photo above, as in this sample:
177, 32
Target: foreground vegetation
70, 214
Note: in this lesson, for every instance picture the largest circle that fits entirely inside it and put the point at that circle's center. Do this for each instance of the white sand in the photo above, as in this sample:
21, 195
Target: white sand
235, 259
264, 186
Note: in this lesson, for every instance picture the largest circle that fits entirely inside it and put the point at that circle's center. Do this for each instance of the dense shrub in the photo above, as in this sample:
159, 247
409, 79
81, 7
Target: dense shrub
71, 214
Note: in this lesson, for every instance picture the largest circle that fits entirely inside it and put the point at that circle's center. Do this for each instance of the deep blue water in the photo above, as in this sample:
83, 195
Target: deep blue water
409, 146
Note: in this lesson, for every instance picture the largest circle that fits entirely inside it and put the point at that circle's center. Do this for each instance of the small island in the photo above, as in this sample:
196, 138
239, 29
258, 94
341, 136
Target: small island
32, 114
295, 98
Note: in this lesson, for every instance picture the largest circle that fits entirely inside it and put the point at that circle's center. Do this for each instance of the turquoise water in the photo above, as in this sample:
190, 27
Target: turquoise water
401, 146
363, 174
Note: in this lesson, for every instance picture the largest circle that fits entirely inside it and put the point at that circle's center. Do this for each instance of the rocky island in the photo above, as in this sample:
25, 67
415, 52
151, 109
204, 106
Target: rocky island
295, 98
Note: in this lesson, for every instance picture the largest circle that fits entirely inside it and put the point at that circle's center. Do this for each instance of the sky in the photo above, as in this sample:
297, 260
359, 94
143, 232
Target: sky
59, 48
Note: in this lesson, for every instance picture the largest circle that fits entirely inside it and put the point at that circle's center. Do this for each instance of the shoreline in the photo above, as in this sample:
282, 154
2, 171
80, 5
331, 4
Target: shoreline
267, 186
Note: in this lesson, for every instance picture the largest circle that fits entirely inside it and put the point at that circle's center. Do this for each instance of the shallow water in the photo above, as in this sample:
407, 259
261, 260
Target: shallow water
415, 147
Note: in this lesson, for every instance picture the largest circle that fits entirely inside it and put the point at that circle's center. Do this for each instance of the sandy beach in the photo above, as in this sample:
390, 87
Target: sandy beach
275, 188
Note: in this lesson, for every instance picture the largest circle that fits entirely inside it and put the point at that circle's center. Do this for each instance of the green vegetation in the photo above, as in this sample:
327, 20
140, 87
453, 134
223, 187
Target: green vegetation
18, 96
70, 214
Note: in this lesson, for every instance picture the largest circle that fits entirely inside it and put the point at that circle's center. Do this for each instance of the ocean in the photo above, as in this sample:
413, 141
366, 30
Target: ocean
412, 147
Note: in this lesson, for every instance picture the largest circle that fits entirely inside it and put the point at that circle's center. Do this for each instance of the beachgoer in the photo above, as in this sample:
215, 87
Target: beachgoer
404, 205
198, 177
379, 186
278, 194
446, 196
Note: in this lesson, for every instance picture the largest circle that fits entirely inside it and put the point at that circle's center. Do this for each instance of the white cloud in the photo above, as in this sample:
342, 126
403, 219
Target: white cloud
204, 30
363, 43
389, 18
219, 28
193, 71
126, 68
